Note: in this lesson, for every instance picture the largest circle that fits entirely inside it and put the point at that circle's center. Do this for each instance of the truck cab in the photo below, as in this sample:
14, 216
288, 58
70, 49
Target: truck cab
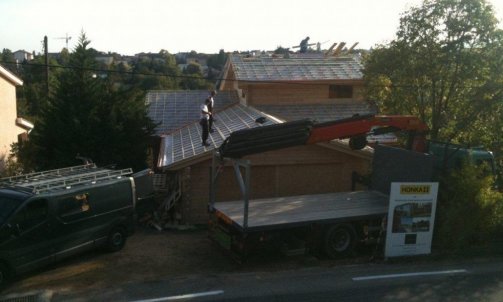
452, 156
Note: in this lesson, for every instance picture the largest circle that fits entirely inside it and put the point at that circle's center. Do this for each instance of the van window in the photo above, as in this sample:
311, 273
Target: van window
74, 207
7, 207
31, 215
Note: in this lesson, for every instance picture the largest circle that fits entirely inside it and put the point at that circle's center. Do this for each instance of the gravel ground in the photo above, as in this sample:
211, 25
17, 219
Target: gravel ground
152, 255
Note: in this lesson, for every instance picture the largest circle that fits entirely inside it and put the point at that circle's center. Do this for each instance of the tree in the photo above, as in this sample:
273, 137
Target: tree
32, 96
156, 71
87, 116
217, 61
282, 51
193, 78
7, 59
444, 66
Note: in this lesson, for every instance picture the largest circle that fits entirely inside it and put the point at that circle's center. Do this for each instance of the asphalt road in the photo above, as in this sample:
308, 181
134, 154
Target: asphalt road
474, 280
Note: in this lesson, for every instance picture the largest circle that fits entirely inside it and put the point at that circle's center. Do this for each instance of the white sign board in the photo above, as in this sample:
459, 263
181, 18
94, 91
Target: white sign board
411, 217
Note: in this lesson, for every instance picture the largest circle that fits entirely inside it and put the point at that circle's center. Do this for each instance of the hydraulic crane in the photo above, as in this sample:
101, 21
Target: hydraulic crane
306, 132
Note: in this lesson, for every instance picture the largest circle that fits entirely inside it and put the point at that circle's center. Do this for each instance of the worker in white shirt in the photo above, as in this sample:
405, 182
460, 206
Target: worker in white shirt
211, 105
205, 117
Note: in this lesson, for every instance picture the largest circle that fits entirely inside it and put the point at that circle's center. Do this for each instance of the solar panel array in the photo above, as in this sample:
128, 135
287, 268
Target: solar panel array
185, 143
296, 69
175, 109
318, 112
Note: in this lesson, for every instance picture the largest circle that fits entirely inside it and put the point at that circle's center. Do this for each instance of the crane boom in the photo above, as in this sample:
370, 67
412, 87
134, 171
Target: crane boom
306, 132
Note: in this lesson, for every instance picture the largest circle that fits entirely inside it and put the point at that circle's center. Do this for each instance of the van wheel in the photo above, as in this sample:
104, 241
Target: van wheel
339, 240
116, 239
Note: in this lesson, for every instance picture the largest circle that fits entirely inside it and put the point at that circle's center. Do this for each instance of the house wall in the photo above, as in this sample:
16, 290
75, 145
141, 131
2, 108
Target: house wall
9, 130
308, 93
21, 55
288, 172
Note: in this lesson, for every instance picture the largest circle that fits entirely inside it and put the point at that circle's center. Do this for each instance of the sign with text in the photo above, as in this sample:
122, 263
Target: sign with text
411, 217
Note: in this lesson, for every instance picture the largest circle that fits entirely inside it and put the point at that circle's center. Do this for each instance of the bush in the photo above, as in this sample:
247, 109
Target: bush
469, 211
9, 166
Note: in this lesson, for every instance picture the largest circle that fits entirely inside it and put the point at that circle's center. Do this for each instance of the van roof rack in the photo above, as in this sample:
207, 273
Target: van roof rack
65, 178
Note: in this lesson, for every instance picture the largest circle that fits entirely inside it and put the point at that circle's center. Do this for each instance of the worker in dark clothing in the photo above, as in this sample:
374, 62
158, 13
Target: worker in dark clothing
205, 116
211, 105
304, 45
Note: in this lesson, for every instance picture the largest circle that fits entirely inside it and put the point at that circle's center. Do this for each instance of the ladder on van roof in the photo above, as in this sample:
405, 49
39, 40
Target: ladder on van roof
65, 178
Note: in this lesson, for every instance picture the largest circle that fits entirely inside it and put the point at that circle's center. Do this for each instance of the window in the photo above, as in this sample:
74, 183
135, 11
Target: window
340, 92
74, 207
31, 215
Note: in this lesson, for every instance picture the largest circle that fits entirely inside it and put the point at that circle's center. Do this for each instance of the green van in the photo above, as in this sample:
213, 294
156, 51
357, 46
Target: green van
51, 215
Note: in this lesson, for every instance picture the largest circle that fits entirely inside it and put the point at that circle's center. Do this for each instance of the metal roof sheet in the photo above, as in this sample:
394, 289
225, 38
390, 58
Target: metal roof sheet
175, 109
317, 112
185, 143
296, 68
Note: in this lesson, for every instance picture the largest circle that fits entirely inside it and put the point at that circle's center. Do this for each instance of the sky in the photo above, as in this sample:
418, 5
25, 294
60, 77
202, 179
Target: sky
205, 26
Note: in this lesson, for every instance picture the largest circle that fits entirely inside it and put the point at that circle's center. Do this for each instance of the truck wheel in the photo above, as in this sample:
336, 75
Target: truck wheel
116, 239
339, 241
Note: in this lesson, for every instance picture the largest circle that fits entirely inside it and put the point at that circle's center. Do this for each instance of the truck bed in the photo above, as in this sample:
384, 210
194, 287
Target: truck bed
291, 211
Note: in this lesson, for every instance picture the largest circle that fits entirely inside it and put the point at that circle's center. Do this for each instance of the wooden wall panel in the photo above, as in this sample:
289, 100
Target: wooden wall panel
277, 94
321, 170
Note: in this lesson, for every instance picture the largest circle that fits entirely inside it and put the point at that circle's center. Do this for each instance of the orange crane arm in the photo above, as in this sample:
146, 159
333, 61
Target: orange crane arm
351, 127
360, 127
305, 132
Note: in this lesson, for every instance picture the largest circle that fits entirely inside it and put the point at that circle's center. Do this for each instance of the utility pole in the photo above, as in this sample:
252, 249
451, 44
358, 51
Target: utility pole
46, 52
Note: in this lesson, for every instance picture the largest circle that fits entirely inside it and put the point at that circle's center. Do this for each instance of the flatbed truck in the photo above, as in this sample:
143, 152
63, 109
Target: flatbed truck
331, 223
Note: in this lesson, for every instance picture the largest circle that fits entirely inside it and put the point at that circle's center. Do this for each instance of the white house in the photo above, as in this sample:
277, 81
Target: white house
22, 55
10, 125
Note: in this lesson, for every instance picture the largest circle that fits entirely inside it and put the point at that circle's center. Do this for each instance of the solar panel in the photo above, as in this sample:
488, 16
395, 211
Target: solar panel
175, 109
185, 143
296, 68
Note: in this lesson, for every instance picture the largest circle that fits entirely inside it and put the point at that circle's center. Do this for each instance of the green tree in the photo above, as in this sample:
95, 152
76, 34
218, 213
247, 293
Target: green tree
282, 51
156, 71
193, 78
32, 96
217, 61
87, 116
444, 66
7, 60
469, 212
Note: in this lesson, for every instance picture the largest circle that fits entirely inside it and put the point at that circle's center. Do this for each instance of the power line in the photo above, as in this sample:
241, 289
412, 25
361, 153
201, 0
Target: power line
299, 82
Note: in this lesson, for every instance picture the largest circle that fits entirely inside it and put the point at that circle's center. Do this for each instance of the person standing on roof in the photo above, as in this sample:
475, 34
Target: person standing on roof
205, 117
211, 105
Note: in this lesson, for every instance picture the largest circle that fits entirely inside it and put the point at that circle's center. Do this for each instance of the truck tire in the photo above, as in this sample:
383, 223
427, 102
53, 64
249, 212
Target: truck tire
339, 240
116, 239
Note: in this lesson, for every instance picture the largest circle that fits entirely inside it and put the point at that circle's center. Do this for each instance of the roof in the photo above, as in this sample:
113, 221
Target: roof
175, 109
296, 68
22, 51
184, 144
183, 147
25, 124
9, 76
318, 112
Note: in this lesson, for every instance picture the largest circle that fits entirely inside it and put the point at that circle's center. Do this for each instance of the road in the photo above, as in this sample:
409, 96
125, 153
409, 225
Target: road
474, 280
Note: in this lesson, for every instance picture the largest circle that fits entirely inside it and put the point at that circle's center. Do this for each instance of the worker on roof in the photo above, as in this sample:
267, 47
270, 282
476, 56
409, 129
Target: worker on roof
204, 121
211, 105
